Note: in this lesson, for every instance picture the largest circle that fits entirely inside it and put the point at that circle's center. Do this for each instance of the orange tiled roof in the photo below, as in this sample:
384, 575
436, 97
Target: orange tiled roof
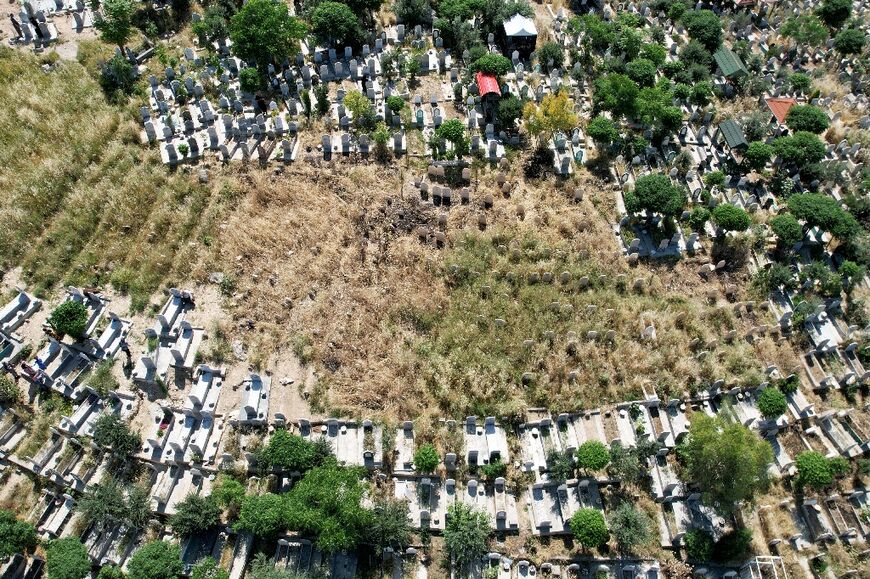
780, 107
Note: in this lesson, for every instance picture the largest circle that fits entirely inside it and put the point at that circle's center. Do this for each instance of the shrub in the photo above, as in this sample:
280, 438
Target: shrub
395, 103
699, 545
249, 79
15, 536
849, 41
67, 559
772, 403
207, 568
789, 384
111, 432
510, 108
228, 493
656, 194
560, 465
495, 469
731, 218
807, 118
813, 469
698, 217
714, 179
491, 63
838, 466
9, 393
117, 79
262, 515
550, 56
592, 455
630, 527
733, 546
69, 318
757, 155
288, 452
390, 527
787, 229
426, 459
800, 82
602, 130
589, 528
466, 534
156, 560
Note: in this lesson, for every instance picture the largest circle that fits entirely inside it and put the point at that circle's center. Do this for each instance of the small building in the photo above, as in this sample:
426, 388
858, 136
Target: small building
520, 35
729, 64
731, 134
779, 107
490, 93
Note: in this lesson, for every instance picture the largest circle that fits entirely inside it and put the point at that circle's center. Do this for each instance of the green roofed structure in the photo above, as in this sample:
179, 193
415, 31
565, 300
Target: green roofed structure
732, 134
729, 63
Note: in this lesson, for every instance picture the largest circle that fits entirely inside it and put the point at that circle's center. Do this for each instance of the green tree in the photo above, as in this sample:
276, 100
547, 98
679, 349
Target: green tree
325, 504
731, 218
288, 452
805, 29
655, 53
701, 93
335, 23
757, 155
849, 41
103, 503
207, 568
772, 403
551, 56
395, 103
602, 130
800, 149
653, 106
466, 534
250, 79
824, 212
615, 93
491, 63
699, 545
67, 559
453, 131
834, 12
705, 27
787, 229
69, 318
111, 432
592, 455
814, 470
228, 493
156, 560
656, 194
117, 79
413, 12
589, 527
15, 536
851, 273
212, 27
733, 546
116, 23
263, 515
263, 32
630, 527
390, 526
195, 514
807, 118
510, 108
800, 82
641, 71
727, 461
426, 458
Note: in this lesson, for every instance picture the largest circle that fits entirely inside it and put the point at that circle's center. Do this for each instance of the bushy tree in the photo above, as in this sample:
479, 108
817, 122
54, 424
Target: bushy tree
592, 455
228, 493
656, 194
395, 103
834, 12
335, 23
727, 461
705, 27
655, 53
800, 82
262, 515
630, 527
195, 514
325, 504
466, 534
413, 12
156, 560
111, 432
67, 558
491, 63
800, 149
772, 403
426, 458
814, 470
113, 572
757, 155
390, 526
699, 545
554, 114
824, 212
212, 27
641, 71
602, 130
807, 118
787, 229
805, 29
263, 32
289, 452
15, 536
615, 93
69, 318
249, 79
849, 41
551, 56
453, 131
731, 218
116, 24
698, 217
117, 79
589, 528
510, 108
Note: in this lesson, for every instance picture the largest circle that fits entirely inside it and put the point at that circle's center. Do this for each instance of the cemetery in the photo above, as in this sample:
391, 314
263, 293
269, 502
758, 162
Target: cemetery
455, 289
